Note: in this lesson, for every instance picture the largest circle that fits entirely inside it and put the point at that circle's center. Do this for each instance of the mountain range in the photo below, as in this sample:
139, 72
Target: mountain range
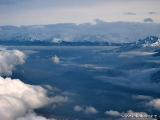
100, 31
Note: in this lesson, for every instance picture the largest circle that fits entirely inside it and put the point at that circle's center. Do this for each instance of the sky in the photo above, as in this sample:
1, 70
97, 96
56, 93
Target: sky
37, 12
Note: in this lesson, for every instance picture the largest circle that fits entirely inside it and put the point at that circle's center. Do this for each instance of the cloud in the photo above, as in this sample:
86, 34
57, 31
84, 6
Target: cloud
87, 66
85, 109
9, 59
52, 2
131, 54
155, 103
148, 20
18, 100
152, 13
78, 108
90, 110
93, 66
113, 113
129, 115
20, 96
130, 13
142, 97
24, 98
149, 101
54, 11
58, 99
33, 116
56, 59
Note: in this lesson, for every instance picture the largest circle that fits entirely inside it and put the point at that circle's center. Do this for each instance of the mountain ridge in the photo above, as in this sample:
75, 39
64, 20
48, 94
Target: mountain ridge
112, 32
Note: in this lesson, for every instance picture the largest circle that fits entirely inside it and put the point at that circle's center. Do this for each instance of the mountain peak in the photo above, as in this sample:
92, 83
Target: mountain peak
151, 41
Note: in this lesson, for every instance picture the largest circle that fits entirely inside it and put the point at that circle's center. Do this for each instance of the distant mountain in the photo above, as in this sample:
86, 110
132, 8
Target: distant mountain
59, 43
100, 31
149, 42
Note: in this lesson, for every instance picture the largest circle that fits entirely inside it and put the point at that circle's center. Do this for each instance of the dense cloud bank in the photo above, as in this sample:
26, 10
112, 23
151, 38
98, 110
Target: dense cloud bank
18, 98
98, 31
33, 116
9, 59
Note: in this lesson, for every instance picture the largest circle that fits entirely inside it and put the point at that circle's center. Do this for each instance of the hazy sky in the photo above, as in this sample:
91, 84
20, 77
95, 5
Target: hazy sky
29, 12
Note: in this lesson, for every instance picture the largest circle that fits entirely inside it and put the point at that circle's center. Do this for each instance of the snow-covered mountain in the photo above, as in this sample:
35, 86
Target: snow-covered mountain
149, 42
117, 32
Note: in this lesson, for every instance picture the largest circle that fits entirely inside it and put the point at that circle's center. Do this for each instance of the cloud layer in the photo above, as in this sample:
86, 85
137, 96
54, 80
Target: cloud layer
77, 11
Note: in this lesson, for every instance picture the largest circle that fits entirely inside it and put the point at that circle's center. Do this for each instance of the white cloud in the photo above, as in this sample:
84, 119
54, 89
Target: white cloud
155, 103
136, 53
86, 109
33, 116
59, 99
56, 59
18, 98
129, 115
142, 97
149, 101
78, 108
90, 110
87, 66
9, 59
93, 66
113, 113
